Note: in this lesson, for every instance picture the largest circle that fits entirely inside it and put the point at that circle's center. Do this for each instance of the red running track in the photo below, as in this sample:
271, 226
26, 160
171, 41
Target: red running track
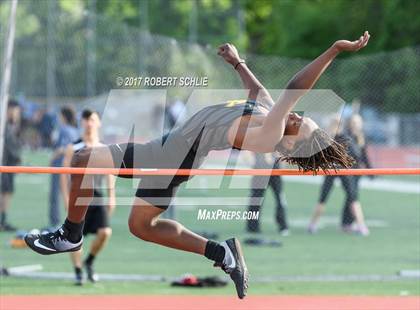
121, 302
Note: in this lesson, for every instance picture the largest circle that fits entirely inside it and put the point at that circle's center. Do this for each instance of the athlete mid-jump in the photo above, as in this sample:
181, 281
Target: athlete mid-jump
257, 124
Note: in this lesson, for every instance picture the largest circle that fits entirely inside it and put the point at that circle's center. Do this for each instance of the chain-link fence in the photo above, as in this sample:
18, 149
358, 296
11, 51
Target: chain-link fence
81, 58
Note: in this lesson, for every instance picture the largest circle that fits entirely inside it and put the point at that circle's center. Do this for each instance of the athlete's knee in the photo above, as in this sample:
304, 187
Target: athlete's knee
81, 158
105, 232
140, 228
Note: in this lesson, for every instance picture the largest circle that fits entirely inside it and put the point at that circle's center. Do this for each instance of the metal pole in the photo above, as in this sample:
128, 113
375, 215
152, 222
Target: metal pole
193, 23
51, 59
144, 35
144, 15
7, 67
91, 49
241, 19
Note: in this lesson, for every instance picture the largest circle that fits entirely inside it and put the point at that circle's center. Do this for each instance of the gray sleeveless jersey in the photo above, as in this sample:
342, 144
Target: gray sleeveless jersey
207, 129
187, 146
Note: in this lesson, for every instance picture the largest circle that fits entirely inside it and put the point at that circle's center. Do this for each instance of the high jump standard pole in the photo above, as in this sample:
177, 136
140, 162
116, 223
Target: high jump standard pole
7, 69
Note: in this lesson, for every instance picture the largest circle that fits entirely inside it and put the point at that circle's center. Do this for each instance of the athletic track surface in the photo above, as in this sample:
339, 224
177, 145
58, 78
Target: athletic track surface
208, 303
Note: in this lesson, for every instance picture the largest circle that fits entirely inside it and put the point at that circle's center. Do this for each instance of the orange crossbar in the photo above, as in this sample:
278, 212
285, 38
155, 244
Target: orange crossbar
155, 172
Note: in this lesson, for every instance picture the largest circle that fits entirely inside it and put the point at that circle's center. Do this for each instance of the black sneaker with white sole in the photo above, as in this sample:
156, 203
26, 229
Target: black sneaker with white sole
52, 243
91, 275
234, 265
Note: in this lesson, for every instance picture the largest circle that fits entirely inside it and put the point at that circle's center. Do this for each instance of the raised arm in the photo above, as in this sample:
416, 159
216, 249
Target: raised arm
274, 124
304, 80
256, 89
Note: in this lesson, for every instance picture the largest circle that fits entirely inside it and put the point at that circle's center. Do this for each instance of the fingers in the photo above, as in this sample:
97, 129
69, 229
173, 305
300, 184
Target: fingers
224, 46
366, 38
362, 41
223, 49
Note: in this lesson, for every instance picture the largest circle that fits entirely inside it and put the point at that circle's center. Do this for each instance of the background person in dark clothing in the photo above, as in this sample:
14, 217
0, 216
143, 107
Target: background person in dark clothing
45, 125
352, 210
259, 186
356, 134
11, 157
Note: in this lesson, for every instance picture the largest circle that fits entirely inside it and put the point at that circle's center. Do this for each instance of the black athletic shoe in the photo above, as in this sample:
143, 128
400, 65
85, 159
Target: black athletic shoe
234, 265
91, 275
52, 243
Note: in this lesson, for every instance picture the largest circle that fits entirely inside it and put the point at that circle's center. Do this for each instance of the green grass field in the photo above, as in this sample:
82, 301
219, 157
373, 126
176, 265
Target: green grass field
394, 244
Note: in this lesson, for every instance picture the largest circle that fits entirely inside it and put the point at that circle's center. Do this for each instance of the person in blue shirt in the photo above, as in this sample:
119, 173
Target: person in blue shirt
45, 126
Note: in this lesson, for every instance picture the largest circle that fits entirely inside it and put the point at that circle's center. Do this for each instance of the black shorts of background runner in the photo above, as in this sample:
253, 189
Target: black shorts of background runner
96, 218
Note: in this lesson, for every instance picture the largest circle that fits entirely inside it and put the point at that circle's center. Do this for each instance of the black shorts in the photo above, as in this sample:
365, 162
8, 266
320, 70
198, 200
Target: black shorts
7, 182
96, 218
156, 190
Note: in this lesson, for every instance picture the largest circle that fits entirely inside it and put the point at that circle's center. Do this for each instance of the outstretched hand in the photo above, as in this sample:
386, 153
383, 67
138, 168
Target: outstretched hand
229, 53
352, 46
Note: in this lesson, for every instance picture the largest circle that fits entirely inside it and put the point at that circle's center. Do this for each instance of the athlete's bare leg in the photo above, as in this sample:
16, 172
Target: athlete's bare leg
81, 190
76, 258
144, 223
101, 239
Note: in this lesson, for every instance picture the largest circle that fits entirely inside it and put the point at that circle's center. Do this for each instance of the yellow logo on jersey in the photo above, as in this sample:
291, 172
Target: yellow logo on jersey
232, 103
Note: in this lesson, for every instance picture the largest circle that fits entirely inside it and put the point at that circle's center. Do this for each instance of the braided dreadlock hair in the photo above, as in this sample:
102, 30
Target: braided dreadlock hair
320, 151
